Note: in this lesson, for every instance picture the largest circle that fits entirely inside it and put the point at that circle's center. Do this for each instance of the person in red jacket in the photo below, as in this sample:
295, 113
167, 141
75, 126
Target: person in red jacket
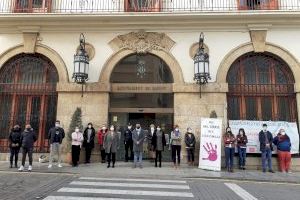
229, 147
101, 135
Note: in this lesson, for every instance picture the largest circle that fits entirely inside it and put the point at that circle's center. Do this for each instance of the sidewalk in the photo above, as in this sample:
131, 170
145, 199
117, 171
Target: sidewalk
167, 171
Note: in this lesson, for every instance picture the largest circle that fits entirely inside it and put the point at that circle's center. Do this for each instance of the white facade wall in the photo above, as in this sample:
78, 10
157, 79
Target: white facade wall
220, 43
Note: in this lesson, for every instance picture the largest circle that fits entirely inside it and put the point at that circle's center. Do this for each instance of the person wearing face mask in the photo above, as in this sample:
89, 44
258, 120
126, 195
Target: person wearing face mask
88, 141
190, 142
14, 144
283, 143
55, 136
158, 142
111, 145
28, 138
242, 141
229, 147
151, 152
101, 134
77, 139
266, 148
175, 143
138, 136
128, 143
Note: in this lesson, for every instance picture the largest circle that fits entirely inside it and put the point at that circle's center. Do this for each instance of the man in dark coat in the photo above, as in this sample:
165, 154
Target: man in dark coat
28, 138
266, 148
138, 136
14, 144
55, 136
89, 141
128, 143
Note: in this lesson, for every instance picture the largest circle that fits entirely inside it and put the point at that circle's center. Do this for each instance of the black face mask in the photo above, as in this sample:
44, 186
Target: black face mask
28, 129
138, 127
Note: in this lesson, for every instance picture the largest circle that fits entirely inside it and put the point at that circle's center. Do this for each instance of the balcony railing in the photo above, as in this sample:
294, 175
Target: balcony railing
166, 6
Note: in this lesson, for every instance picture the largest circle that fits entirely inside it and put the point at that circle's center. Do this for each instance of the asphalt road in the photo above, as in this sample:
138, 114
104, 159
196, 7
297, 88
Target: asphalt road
62, 186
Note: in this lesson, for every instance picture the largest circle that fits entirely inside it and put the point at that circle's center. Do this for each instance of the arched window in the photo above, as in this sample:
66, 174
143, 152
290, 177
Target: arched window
261, 87
28, 96
144, 68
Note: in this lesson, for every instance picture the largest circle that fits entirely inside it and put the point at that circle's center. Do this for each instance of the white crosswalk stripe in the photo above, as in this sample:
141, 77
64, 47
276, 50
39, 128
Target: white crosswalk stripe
240, 191
92, 188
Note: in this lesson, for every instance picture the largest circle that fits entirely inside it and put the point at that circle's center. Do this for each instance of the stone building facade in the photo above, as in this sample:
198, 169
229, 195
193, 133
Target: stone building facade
169, 32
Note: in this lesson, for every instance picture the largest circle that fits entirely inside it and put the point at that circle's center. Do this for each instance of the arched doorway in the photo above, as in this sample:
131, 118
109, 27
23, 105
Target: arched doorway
141, 92
261, 87
28, 96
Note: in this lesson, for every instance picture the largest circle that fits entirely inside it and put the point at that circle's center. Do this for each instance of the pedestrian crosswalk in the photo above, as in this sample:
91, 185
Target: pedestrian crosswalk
92, 188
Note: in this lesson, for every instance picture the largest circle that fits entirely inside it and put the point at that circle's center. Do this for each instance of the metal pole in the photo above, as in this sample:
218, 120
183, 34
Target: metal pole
200, 91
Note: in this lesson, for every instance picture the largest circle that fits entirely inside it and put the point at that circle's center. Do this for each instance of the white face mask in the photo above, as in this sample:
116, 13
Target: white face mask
112, 129
189, 131
152, 129
77, 130
57, 125
265, 128
129, 127
283, 133
158, 129
176, 129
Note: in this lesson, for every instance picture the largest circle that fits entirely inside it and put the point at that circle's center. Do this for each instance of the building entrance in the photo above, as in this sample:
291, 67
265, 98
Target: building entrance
141, 92
165, 120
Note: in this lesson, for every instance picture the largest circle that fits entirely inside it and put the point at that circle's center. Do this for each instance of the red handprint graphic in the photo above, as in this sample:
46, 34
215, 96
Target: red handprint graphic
212, 152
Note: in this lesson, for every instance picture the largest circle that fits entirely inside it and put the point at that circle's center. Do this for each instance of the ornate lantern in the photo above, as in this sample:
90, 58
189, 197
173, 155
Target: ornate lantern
81, 64
201, 64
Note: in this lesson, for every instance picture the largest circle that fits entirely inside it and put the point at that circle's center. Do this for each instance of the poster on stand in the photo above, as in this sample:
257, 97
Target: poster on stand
210, 144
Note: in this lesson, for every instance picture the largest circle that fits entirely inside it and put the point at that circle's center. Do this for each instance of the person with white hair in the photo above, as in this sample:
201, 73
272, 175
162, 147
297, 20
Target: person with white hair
283, 143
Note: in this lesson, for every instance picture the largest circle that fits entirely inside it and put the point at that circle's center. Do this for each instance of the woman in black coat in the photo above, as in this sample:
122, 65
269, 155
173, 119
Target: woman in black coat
190, 142
14, 144
88, 141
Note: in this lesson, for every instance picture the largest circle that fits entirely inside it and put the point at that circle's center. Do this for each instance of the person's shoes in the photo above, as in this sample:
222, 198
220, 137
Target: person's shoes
10, 166
160, 165
108, 166
289, 171
103, 161
49, 166
264, 171
133, 166
240, 167
231, 170
21, 168
59, 165
30, 168
271, 171
16, 165
141, 166
244, 168
113, 166
126, 160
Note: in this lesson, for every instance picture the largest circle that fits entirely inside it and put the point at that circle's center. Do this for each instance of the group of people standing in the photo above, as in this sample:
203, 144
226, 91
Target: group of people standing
282, 141
134, 137
21, 139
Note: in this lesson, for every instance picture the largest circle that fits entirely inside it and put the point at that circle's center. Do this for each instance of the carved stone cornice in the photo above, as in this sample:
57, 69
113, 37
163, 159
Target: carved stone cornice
142, 42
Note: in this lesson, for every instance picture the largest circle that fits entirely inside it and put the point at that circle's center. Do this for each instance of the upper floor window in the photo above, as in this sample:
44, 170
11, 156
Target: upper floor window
143, 5
32, 5
258, 4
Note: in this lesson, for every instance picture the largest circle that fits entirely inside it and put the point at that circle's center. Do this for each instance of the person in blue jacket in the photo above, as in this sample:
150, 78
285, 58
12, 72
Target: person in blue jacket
266, 148
283, 143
